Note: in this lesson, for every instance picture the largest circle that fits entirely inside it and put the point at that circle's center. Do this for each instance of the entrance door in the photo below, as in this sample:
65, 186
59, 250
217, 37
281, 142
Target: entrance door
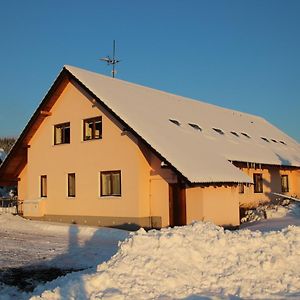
177, 205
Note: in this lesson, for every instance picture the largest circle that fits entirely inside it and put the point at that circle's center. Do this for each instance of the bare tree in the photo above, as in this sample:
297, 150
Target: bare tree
6, 143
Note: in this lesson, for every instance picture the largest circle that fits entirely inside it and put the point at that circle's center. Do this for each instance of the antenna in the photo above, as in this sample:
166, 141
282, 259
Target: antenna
111, 61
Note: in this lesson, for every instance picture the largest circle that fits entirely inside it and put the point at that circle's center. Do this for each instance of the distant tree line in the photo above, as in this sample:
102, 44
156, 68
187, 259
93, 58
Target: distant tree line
6, 143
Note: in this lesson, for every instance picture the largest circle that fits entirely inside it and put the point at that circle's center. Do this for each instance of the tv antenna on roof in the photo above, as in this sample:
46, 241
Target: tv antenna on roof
111, 61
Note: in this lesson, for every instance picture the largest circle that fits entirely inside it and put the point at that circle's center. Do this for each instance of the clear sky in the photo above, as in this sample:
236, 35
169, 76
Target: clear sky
240, 54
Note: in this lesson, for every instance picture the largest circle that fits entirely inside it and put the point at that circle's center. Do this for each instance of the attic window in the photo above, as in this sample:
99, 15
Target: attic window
265, 139
274, 141
246, 135
218, 130
195, 126
234, 133
282, 142
175, 122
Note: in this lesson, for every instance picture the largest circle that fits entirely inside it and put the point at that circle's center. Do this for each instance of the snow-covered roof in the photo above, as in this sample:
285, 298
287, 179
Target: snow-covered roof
197, 138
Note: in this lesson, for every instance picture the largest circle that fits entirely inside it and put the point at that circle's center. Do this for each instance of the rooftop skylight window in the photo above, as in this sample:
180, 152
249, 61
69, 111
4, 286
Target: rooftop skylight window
282, 142
175, 122
246, 135
234, 133
265, 139
195, 126
218, 130
274, 141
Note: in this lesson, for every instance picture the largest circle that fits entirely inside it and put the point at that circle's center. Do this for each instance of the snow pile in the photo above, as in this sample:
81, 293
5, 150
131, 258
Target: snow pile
190, 261
278, 208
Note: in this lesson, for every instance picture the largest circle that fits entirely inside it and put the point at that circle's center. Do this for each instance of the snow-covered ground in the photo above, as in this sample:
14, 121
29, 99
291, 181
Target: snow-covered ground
197, 261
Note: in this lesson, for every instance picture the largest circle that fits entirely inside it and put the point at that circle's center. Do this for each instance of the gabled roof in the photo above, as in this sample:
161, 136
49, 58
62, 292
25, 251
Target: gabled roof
197, 139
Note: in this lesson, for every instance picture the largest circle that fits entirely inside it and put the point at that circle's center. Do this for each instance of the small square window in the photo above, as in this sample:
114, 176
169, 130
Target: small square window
92, 129
258, 183
71, 185
110, 183
62, 133
285, 183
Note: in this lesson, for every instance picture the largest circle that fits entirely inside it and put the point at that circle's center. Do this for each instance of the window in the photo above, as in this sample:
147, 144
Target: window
195, 126
71, 185
258, 183
245, 134
110, 182
282, 142
92, 129
175, 122
273, 140
44, 186
234, 133
265, 139
62, 134
284, 183
218, 130
241, 188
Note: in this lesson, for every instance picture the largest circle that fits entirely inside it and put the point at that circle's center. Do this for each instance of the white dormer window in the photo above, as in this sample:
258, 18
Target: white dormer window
195, 126
175, 122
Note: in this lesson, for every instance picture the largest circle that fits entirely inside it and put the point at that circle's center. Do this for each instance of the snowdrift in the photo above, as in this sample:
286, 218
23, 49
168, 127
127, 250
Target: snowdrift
198, 259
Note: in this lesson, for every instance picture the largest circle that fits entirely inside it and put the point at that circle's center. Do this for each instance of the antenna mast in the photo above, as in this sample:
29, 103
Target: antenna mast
111, 61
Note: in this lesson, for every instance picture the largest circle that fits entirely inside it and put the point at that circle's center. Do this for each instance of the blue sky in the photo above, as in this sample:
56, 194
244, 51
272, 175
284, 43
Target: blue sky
238, 54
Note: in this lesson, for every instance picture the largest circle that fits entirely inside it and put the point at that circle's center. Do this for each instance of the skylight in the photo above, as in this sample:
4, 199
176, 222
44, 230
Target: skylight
246, 135
218, 130
265, 139
282, 142
195, 126
274, 141
234, 133
175, 122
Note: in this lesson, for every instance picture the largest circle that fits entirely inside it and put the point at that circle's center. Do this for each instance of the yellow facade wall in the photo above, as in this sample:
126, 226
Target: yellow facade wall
115, 151
217, 204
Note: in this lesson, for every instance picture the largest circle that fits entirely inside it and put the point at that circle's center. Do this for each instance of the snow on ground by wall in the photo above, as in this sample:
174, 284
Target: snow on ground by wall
197, 261
278, 208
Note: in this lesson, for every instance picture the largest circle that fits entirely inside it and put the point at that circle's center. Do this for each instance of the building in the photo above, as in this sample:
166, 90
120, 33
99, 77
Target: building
107, 152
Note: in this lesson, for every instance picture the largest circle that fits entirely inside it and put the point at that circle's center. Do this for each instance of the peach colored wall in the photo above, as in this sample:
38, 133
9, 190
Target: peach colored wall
216, 204
159, 189
194, 204
115, 151
22, 184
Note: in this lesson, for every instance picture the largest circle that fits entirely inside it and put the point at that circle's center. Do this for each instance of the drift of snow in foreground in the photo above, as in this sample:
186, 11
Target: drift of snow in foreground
198, 259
